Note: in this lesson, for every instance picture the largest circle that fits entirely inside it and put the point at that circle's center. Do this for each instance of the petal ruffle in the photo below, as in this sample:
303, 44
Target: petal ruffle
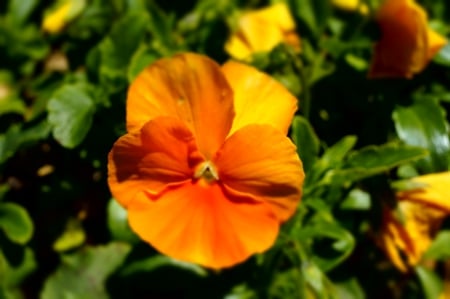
189, 87
261, 162
198, 223
162, 153
258, 99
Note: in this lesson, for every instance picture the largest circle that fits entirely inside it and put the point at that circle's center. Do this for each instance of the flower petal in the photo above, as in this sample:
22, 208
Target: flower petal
261, 162
189, 87
162, 153
258, 99
197, 223
406, 46
435, 192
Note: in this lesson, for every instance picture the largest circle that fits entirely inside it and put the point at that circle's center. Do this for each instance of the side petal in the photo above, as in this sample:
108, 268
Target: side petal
435, 43
261, 162
198, 223
258, 98
162, 153
189, 87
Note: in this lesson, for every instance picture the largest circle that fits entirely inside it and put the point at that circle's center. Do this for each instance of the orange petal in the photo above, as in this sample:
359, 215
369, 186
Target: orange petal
435, 43
198, 223
260, 161
258, 99
162, 153
189, 87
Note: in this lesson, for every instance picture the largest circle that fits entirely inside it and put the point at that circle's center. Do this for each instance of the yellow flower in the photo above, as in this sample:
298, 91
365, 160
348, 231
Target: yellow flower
57, 19
261, 30
408, 231
407, 44
351, 5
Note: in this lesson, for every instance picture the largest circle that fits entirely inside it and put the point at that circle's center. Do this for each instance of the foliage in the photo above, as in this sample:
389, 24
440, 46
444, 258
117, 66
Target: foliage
62, 106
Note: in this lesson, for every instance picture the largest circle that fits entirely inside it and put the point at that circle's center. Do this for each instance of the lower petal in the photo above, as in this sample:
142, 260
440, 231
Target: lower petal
196, 222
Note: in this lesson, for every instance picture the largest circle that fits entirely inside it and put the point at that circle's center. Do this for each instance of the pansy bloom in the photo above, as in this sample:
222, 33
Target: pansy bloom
65, 11
205, 170
407, 44
408, 230
261, 30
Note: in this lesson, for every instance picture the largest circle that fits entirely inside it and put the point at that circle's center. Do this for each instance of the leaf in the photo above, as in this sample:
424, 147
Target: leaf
306, 141
70, 112
373, 160
72, 237
439, 249
116, 50
443, 56
118, 223
83, 274
141, 59
431, 284
423, 124
15, 274
16, 223
19, 10
356, 200
314, 13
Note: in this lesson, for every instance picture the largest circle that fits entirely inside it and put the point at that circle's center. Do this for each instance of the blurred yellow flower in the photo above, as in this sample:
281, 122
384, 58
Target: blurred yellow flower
407, 44
351, 5
408, 230
58, 18
261, 30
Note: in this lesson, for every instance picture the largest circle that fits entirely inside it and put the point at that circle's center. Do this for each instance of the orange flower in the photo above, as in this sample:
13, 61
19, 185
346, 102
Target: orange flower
261, 30
407, 44
206, 171
420, 213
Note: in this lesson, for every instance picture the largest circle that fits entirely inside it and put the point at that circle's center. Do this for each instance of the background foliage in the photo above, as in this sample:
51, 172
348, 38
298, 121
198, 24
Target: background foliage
62, 105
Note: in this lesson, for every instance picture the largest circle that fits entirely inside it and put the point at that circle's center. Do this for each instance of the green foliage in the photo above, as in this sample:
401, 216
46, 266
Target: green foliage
62, 106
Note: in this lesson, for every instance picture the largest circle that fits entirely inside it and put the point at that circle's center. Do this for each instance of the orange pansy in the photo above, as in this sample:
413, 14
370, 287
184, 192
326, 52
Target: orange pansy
261, 30
206, 171
407, 44
408, 231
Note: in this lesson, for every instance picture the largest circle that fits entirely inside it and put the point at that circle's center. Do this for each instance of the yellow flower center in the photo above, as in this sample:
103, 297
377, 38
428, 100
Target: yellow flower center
206, 171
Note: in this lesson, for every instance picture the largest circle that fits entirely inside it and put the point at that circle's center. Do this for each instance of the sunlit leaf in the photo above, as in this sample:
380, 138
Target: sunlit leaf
424, 124
15, 222
439, 249
431, 283
306, 141
70, 112
83, 274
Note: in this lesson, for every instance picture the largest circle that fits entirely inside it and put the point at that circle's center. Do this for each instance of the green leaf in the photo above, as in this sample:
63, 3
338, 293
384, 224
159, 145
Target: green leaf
439, 249
154, 262
141, 59
431, 284
116, 50
19, 10
83, 274
70, 112
443, 56
306, 141
72, 237
373, 160
118, 223
423, 124
314, 13
16, 223
14, 274
356, 200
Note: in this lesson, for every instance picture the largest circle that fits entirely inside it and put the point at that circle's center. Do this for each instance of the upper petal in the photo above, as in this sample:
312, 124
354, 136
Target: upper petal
258, 98
261, 162
198, 223
403, 49
162, 153
189, 87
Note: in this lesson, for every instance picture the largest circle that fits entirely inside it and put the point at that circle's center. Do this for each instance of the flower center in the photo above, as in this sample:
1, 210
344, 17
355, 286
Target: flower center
207, 171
